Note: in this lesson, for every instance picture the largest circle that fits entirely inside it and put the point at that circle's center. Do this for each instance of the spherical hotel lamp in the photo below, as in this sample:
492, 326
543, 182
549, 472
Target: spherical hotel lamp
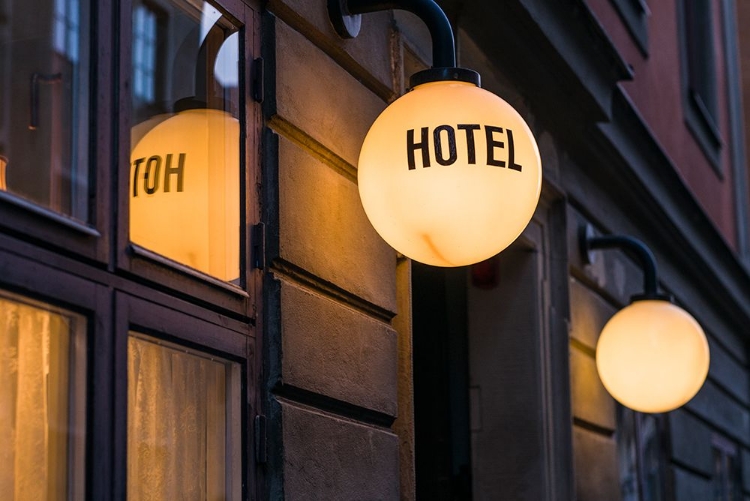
449, 174
652, 356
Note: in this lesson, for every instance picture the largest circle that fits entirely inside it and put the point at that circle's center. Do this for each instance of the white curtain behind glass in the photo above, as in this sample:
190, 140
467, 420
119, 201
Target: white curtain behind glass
36, 418
177, 424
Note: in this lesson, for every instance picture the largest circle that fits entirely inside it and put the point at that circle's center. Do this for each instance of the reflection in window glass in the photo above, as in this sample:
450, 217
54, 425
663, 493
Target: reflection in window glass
727, 477
144, 53
627, 454
185, 178
639, 456
183, 423
42, 401
44, 88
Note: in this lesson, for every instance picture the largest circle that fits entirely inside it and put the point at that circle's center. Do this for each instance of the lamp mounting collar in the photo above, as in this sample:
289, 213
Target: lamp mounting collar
346, 18
443, 74
634, 247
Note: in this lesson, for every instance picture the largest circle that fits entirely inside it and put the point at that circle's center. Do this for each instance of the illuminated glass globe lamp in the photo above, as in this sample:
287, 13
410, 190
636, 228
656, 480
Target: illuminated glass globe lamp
652, 356
449, 174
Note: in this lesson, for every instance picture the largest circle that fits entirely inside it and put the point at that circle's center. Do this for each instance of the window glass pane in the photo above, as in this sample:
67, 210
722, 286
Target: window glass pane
42, 401
727, 478
650, 444
185, 177
701, 57
627, 453
44, 112
184, 438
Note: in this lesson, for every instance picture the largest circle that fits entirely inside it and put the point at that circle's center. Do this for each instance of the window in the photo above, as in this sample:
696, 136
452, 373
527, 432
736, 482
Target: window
111, 329
185, 137
144, 54
634, 13
44, 108
727, 479
184, 439
67, 28
640, 456
699, 75
42, 400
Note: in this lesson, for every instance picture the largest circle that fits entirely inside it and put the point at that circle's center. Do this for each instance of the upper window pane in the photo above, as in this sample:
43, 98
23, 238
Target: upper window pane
44, 106
185, 176
42, 401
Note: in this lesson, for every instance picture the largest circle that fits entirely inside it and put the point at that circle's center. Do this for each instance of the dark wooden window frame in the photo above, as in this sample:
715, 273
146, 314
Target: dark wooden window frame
92, 269
35, 223
193, 328
113, 306
24, 274
149, 266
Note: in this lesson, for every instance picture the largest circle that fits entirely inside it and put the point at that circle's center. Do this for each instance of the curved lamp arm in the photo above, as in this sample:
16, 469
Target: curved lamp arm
634, 248
443, 48
346, 17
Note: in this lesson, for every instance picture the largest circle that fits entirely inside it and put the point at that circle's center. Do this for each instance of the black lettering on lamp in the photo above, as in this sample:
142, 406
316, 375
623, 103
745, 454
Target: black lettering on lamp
137, 166
511, 152
179, 171
470, 145
411, 146
492, 144
156, 162
452, 154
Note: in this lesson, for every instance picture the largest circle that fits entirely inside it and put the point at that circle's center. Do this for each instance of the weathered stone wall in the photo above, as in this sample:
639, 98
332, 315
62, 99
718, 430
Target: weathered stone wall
337, 309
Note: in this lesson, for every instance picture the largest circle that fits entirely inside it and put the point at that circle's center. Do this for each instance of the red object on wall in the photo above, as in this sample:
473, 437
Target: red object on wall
486, 275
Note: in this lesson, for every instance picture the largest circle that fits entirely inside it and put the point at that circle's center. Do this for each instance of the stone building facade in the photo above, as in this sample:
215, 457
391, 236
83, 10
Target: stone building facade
507, 402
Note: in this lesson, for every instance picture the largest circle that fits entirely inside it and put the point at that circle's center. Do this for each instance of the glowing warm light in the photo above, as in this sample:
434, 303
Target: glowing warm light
652, 356
184, 191
3, 164
449, 174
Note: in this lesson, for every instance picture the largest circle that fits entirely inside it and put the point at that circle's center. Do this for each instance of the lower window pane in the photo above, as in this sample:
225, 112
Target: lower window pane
184, 439
42, 401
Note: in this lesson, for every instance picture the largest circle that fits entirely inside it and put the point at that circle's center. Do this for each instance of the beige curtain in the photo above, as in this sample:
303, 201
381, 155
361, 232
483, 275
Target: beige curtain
34, 402
177, 424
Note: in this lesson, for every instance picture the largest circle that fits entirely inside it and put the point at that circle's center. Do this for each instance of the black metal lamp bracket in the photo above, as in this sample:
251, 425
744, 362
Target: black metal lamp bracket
346, 17
635, 248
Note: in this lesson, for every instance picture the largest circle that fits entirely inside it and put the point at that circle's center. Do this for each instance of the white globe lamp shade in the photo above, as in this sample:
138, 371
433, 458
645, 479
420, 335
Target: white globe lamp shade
652, 356
449, 174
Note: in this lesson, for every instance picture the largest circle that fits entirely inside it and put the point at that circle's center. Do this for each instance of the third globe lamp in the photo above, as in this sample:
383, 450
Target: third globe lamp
652, 356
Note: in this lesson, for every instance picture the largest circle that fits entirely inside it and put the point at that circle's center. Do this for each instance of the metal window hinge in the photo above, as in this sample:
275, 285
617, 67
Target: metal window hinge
258, 243
257, 76
261, 454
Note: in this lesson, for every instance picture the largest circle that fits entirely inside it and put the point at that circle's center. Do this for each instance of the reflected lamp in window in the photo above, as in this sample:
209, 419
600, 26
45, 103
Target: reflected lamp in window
42, 401
44, 104
184, 437
185, 156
